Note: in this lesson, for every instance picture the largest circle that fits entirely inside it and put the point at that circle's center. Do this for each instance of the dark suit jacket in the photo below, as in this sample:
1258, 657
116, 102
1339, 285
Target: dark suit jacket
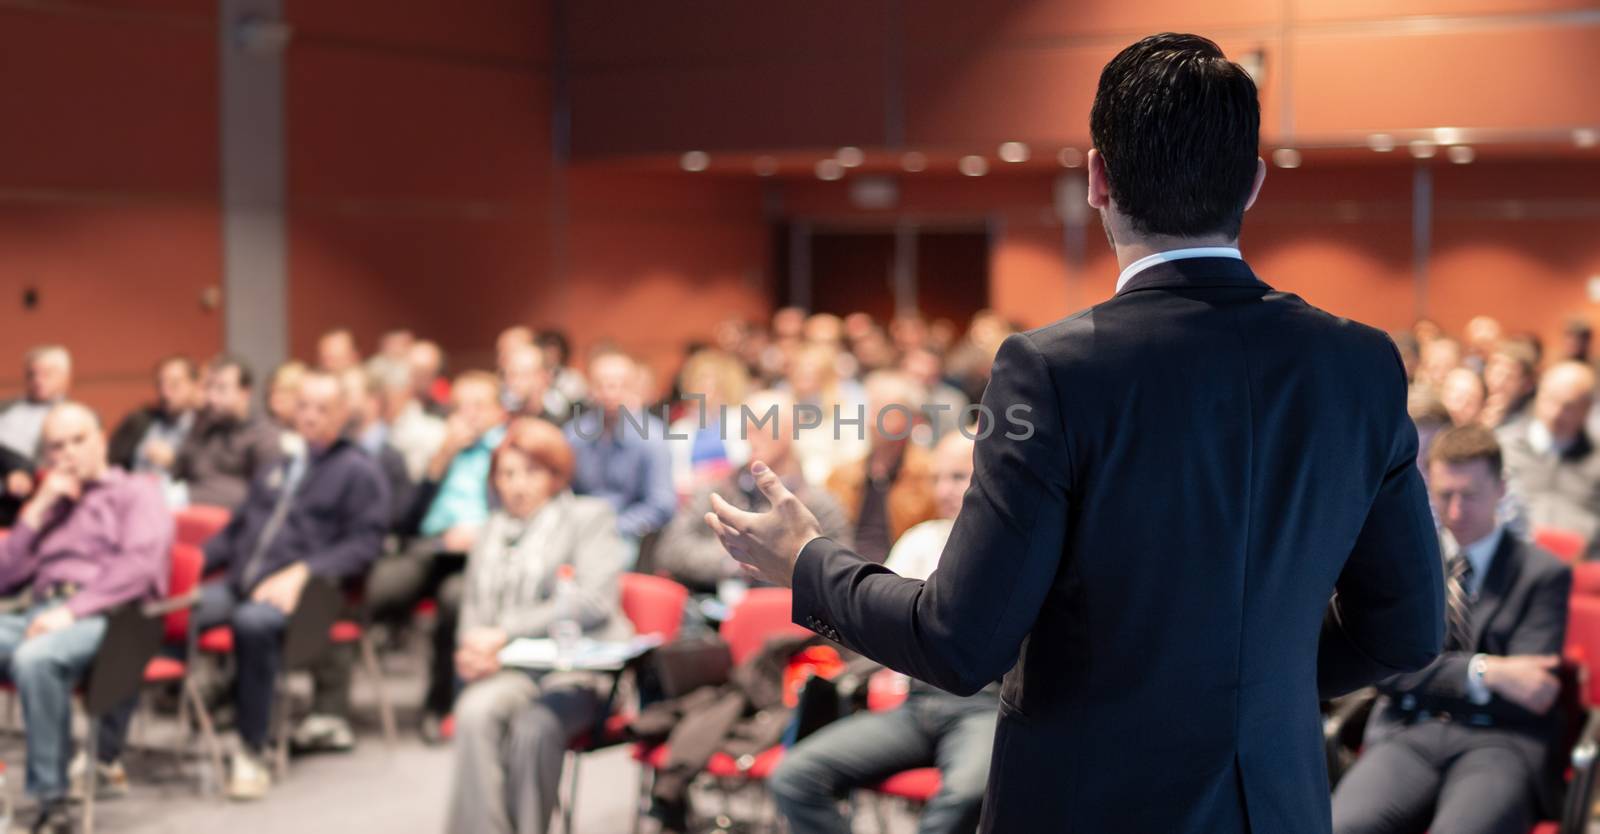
1206, 461
1521, 609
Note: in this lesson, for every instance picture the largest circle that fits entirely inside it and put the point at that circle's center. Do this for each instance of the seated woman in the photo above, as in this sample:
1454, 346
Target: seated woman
512, 727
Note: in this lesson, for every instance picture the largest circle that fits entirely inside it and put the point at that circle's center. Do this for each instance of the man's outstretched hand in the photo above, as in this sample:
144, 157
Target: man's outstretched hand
768, 543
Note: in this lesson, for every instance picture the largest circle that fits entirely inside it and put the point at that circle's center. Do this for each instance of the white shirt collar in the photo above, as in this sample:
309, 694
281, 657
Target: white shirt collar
1175, 255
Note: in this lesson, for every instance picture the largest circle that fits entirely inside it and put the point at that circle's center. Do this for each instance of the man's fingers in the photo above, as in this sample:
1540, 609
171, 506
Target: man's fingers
769, 482
1548, 661
731, 516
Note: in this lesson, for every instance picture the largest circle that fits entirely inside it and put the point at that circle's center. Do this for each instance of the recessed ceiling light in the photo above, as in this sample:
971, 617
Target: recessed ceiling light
695, 161
1446, 135
1014, 152
1423, 149
973, 165
829, 169
850, 156
1461, 154
1586, 137
914, 161
1286, 158
765, 166
1381, 142
1069, 157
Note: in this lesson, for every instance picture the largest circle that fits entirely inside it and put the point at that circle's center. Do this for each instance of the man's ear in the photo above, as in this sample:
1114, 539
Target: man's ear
1099, 191
1255, 188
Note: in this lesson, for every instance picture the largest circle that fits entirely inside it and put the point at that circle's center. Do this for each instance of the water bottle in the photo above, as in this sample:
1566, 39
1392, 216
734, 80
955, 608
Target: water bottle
564, 629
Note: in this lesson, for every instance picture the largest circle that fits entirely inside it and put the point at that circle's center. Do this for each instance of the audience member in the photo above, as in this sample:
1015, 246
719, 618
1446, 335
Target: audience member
822, 443
1483, 335
1430, 416
512, 727
711, 384
147, 440
415, 432
944, 403
319, 513
47, 373
227, 447
511, 338
426, 361
888, 489
1551, 462
283, 393
689, 551
932, 727
91, 538
622, 452
568, 389
336, 351
1463, 744
454, 501
1511, 376
525, 384
1462, 394
368, 431
1576, 340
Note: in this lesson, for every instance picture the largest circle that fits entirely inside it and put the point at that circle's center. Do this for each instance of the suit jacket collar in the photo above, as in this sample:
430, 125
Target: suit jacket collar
1503, 570
1192, 273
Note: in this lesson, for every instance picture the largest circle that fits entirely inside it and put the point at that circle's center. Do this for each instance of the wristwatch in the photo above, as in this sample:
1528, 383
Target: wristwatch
1477, 690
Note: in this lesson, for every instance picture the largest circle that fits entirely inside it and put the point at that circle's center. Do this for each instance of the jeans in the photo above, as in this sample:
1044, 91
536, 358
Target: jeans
395, 586
931, 728
44, 670
258, 652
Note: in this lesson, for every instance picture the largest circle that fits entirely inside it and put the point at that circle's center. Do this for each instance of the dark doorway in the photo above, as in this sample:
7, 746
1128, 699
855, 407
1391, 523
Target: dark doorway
843, 270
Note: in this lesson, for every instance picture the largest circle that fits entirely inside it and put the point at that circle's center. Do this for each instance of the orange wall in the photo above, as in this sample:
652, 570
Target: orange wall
109, 189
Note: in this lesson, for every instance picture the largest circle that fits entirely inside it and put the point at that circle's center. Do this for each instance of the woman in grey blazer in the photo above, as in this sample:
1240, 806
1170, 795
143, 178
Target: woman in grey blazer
512, 727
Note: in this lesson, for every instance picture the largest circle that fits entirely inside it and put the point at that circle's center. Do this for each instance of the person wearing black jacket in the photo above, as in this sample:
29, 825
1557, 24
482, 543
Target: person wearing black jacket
322, 512
1469, 739
147, 440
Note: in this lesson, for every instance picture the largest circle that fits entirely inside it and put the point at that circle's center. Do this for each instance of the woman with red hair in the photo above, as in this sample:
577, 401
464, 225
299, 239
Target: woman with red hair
512, 726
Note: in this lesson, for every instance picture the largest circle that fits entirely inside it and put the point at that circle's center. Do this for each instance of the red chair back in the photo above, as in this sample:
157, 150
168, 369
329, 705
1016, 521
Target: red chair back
654, 604
197, 524
1565, 544
187, 562
760, 616
1583, 644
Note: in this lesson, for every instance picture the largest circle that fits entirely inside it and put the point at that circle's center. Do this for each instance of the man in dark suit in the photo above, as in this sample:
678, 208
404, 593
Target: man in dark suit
1469, 739
1168, 489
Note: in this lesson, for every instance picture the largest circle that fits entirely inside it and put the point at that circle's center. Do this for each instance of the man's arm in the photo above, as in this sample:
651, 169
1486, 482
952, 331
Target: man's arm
139, 567
1387, 615
962, 628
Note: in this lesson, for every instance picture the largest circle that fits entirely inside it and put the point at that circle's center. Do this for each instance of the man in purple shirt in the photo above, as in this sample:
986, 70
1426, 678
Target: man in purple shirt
91, 538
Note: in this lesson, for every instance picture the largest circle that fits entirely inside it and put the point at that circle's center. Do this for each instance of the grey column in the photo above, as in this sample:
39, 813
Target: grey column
250, 43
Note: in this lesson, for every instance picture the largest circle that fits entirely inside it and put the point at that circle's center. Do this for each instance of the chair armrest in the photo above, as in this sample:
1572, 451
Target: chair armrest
169, 605
1580, 791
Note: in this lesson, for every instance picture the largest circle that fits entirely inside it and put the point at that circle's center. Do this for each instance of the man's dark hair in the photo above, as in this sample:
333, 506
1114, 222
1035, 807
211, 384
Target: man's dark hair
1465, 444
189, 368
552, 338
1177, 126
228, 360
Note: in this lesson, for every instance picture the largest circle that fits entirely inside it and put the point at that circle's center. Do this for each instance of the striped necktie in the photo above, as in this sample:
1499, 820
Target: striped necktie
1457, 603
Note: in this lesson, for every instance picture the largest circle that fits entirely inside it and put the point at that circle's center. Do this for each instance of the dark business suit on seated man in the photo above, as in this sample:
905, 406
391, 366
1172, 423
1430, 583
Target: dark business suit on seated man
1472, 744
1176, 483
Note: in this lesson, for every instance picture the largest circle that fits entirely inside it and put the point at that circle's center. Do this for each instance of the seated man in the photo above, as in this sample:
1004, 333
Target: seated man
147, 440
932, 727
228, 447
621, 450
512, 726
688, 550
91, 538
1552, 464
1464, 741
453, 500
322, 512
47, 374
886, 492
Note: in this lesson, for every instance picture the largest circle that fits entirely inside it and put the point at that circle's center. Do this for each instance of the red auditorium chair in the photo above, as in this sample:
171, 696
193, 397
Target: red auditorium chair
1566, 545
654, 605
196, 524
763, 614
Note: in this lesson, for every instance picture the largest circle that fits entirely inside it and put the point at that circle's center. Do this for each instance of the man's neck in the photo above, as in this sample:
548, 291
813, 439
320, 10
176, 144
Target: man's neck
1134, 248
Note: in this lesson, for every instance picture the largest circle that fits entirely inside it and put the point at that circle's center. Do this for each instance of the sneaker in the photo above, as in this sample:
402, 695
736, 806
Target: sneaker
248, 777
322, 733
110, 780
437, 729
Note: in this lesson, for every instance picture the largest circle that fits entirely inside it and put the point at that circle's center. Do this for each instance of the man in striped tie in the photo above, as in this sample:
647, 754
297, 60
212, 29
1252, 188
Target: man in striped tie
1466, 739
